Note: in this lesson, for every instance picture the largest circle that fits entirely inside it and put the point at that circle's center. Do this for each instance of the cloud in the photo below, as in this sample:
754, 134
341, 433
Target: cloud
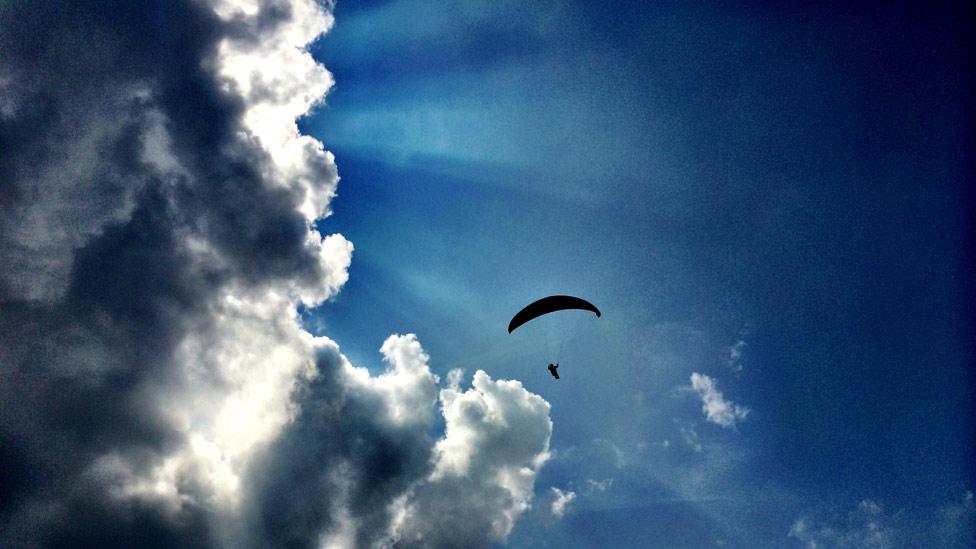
716, 408
870, 525
561, 501
954, 524
495, 442
454, 378
157, 388
599, 485
361, 443
867, 527
734, 357
690, 436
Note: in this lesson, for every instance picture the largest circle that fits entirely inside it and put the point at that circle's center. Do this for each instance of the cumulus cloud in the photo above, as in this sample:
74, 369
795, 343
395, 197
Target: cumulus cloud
561, 501
157, 388
495, 442
716, 408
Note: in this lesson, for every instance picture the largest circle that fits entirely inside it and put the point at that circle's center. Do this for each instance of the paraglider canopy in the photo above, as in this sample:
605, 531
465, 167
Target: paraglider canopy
547, 305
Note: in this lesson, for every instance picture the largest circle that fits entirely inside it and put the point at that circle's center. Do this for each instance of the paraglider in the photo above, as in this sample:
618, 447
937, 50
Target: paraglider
548, 305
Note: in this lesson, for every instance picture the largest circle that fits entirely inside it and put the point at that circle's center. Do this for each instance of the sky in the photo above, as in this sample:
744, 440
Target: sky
258, 259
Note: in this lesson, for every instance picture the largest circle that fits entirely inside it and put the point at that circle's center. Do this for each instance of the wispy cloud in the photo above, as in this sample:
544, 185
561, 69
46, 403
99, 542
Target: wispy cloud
867, 527
715, 406
955, 523
599, 485
734, 356
691, 438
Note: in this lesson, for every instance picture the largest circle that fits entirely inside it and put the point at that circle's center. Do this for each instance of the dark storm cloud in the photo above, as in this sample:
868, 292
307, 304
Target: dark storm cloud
75, 81
92, 294
96, 287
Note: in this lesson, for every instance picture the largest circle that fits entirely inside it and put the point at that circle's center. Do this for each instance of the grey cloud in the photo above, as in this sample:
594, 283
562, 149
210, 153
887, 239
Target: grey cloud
98, 287
76, 77
339, 452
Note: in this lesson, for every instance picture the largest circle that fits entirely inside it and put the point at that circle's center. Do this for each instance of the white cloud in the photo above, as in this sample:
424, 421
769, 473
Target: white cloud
407, 389
716, 408
280, 81
561, 501
496, 441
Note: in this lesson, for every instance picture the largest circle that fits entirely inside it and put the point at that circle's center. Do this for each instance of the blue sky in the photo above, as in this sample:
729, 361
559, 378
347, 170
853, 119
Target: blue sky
208, 340
789, 178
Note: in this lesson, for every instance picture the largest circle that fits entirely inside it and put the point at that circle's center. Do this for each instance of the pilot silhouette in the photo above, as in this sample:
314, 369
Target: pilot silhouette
552, 370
